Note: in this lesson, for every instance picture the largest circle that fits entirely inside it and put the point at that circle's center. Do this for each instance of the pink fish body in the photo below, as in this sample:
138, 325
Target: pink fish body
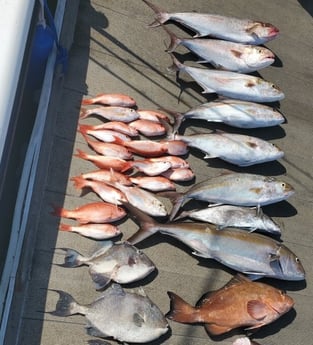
105, 175
105, 192
94, 231
111, 113
111, 99
105, 162
109, 149
116, 126
96, 212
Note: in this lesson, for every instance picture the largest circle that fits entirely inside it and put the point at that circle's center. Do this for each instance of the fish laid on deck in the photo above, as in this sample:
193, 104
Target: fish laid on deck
102, 189
225, 55
232, 112
94, 231
241, 303
94, 212
228, 28
111, 99
122, 263
231, 84
250, 253
238, 149
143, 199
240, 189
250, 218
105, 162
122, 114
124, 316
109, 149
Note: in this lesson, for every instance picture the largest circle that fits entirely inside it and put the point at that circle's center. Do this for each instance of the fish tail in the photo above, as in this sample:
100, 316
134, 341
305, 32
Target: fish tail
178, 119
126, 166
58, 211
176, 199
180, 310
72, 258
148, 226
66, 305
83, 113
81, 154
162, 16
79, 182
88, 101
65, 227
176, 66
174, 40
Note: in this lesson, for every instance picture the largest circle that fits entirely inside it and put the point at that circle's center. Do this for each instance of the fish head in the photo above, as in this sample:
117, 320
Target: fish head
278, 302
258, 57
269, 91
150, 319
290, 265
262, 32
139, 264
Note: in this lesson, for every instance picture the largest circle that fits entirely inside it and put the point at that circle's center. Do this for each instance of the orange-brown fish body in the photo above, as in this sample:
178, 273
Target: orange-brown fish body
240, 303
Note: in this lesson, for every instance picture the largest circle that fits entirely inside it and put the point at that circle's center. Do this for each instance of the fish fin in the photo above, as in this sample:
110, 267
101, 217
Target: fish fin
161, 14
138, 319
141, 292
215, 329
97, 342
66, 305
100, 280
95, 332
72, 258
205, 297
257, 309
180, 310
201, 255
148, 226
254, 275
208, 156
105, 247
236, 53
176, 66
207, 89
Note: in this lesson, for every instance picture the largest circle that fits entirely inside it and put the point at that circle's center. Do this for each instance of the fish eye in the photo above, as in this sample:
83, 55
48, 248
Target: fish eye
297, 260
283, 184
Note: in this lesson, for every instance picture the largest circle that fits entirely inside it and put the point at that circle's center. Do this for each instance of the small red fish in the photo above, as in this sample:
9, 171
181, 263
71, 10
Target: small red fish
153, 183
105, 175
149, 148
148, 128
111, 113
113, 99
105, 192
105, 135
105, 162
94, 231
108, 149
150, 168
241, 303
95, 212
116, 126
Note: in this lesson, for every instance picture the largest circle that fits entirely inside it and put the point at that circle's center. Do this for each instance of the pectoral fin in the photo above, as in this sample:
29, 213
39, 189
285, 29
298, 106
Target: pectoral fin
257, 310
138, 320
100, 280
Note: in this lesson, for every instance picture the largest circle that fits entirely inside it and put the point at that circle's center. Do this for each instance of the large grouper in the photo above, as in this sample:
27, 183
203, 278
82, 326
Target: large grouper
253, 254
